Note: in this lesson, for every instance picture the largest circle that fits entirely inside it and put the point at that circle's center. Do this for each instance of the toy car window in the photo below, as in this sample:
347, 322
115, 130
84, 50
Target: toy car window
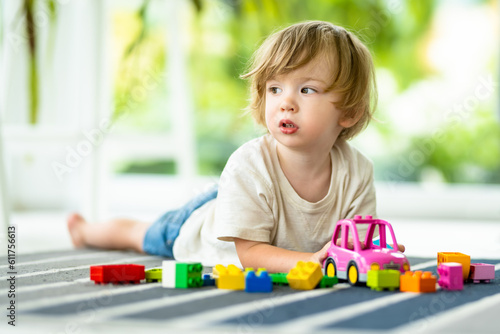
345, 237
336, 235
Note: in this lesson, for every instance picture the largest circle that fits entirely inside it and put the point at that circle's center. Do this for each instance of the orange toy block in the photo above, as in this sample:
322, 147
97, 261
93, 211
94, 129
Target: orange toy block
417, 281
463, 259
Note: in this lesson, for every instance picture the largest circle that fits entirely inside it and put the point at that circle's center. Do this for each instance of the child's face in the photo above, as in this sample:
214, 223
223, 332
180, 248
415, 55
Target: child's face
300, 114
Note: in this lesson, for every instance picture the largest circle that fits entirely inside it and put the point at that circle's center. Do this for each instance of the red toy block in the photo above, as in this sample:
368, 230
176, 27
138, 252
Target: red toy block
450, 276
481, 272
117, 273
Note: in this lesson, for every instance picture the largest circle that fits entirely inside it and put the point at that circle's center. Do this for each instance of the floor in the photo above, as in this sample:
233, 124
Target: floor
54, 295
55, 288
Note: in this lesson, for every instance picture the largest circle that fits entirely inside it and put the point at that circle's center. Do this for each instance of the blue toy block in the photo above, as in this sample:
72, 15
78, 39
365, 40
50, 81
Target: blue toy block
208, 280
260, 282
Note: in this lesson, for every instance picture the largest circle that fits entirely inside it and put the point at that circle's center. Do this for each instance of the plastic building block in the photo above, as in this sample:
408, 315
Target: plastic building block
279, 278
181, 275
168, 273
117, 273
258, 282
383, 279
230, 278
153, 275
208, 280
188, 275
350, 258
481, 272
450, 276
417, 281
328, 282
305, 276
456, 257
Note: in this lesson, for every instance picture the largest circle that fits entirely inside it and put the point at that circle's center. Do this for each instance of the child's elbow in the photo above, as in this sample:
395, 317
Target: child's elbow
245, 250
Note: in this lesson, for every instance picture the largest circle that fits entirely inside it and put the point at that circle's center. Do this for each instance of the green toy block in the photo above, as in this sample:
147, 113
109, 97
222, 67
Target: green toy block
328, 282
383, 279
153, 275
279, 278
188, 275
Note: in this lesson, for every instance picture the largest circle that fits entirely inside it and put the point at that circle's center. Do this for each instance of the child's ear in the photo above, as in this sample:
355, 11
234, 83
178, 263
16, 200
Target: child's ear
349, 119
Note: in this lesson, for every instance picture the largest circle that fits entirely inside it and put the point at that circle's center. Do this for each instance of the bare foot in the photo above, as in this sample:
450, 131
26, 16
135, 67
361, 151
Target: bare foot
75, 226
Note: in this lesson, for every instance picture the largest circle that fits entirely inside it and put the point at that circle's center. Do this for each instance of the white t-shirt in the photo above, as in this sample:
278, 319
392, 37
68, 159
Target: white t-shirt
257, 202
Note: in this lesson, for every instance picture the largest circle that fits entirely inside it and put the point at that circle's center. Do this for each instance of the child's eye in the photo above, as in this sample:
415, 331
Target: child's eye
274, 90
307, 90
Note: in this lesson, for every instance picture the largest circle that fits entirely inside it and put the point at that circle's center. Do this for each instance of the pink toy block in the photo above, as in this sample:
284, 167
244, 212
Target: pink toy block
450, 276
464, 259
481, 272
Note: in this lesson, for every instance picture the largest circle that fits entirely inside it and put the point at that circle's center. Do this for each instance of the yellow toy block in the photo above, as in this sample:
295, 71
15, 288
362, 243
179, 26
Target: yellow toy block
230, 278
456, 257
305, 276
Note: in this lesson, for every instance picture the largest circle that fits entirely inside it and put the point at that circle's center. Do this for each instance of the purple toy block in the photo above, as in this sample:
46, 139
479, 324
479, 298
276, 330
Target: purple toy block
450, 276
481, 272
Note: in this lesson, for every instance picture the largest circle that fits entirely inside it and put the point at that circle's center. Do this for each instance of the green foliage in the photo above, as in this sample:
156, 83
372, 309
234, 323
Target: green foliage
468, 151
465, 151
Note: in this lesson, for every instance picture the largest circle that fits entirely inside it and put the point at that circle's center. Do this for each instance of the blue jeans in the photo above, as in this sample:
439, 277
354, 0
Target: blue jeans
160, 236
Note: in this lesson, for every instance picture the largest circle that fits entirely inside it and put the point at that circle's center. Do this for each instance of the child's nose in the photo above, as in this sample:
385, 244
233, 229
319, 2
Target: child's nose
288, 104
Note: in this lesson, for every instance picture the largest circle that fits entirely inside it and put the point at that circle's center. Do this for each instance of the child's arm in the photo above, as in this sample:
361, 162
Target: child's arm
276, 260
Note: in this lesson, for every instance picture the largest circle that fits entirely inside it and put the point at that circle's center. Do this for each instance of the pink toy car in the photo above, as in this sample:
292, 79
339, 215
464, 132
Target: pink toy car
353, 264
450, 276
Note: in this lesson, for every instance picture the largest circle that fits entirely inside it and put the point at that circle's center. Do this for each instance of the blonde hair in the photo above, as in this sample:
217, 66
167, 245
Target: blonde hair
352, 72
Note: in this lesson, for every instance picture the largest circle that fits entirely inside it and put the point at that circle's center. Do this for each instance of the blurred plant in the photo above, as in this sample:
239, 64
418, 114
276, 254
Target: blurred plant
469, 151
461, 153
28, 12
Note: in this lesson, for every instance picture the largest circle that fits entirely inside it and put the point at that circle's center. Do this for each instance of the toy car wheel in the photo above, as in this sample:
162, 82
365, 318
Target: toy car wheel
353, 274
330, 268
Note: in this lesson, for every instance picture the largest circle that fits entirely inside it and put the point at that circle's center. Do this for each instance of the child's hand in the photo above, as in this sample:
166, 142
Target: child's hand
401, 248
321, 255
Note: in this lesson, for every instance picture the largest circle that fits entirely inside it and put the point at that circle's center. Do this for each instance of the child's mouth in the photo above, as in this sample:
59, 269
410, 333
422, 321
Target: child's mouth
288, 127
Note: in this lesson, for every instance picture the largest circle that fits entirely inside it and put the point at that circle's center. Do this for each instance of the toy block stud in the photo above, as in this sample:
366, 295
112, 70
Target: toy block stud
279, 278
481, 272
258, 282
305, 276
230, 278
450, 276
417, 281
117, 273
328, 282
383, 279
153, 275
456, 257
